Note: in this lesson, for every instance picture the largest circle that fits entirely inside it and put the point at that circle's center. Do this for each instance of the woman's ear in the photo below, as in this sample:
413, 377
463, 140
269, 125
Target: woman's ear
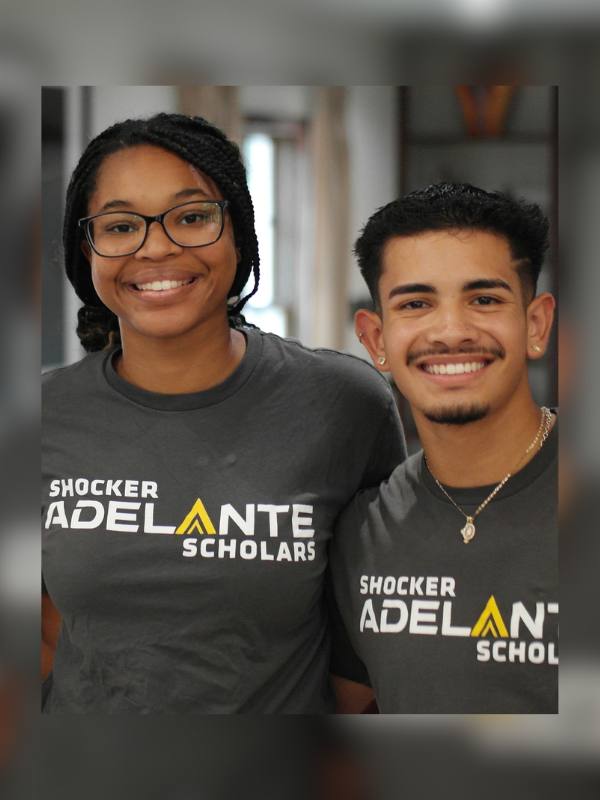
369, 330
540, 315
86, 249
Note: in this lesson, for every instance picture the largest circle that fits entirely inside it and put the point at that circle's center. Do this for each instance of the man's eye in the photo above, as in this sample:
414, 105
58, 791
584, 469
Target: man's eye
486, 300
413, 305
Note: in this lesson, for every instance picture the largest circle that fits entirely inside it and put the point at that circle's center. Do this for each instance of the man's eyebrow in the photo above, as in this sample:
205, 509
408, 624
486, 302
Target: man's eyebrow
486, 283
412, 288
181, 195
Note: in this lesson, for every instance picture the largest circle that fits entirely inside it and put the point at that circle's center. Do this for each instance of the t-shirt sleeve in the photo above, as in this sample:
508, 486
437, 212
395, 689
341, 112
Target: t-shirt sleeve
388, 450
344, 662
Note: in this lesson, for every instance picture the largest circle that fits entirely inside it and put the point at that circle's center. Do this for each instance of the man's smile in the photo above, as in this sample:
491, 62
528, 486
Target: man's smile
454, 369
452, 373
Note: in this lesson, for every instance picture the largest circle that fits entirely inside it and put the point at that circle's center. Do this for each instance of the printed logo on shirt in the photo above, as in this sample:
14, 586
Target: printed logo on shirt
128, 506
196, 521
515, 634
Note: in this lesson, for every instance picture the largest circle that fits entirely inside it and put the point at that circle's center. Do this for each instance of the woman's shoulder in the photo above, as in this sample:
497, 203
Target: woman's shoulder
321, 362
72, 377
390, 500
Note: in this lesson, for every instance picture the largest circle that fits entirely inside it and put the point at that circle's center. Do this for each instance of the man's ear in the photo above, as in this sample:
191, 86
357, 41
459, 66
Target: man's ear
540, 315
369, 329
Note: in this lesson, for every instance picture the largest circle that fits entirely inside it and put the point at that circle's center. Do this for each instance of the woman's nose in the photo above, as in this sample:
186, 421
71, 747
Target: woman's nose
157, 244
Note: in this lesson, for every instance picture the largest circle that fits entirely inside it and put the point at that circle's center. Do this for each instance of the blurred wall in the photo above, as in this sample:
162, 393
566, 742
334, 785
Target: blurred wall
382, 140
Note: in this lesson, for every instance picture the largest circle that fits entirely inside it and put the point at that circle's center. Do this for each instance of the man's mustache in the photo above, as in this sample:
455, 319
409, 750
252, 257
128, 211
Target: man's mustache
496, 352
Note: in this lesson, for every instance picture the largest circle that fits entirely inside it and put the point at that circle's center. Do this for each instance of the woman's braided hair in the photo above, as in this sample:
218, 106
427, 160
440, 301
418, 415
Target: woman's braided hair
199, 143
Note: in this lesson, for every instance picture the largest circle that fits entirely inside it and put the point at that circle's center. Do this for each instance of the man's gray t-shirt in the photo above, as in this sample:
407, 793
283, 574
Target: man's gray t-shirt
185, 537
448, 627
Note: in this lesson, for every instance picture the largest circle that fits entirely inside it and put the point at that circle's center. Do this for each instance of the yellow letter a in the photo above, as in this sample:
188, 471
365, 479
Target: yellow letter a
195, 519
490, 621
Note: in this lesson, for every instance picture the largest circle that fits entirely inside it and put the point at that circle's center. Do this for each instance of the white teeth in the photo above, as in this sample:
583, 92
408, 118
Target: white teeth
454, 369
160, 286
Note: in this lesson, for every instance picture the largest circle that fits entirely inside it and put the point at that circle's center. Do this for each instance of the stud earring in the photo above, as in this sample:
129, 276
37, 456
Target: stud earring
381, 360
360, 336
536, 348
233, 300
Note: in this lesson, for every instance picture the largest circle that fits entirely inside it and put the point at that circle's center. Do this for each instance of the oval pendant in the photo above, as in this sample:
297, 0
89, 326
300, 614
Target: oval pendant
468, 532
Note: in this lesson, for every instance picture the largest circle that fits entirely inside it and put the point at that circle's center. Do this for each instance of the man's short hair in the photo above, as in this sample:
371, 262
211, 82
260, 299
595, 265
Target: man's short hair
457, 206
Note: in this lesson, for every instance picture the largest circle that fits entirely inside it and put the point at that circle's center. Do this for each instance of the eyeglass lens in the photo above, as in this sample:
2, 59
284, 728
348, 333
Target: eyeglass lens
122, 232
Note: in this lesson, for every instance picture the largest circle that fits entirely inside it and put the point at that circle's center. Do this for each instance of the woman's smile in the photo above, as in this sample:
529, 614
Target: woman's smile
158, 284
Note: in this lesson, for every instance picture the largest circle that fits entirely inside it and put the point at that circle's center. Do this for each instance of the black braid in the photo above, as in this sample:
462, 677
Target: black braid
97, 327
199, 143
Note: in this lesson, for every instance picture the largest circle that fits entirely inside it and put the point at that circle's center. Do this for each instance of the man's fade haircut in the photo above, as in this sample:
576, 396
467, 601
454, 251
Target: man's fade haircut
199, 143
457, 206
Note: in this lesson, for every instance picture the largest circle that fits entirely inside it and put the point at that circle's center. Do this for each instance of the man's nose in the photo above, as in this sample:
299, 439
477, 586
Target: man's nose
451, 326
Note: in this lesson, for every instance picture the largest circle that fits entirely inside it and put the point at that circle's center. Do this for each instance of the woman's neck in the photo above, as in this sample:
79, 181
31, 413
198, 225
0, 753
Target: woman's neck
180, 365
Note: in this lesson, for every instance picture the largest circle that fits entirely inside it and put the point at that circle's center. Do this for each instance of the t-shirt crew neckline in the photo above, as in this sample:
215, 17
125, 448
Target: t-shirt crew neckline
476, 494
187, 402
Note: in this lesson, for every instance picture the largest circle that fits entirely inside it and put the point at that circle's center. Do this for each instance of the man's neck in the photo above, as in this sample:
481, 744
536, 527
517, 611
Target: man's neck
483, 452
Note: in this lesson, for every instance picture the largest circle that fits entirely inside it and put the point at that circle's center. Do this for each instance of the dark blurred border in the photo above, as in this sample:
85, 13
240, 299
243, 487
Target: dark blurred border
147, 43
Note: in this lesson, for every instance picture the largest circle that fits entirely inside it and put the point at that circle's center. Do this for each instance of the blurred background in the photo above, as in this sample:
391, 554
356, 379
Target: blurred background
372, 47
320, 161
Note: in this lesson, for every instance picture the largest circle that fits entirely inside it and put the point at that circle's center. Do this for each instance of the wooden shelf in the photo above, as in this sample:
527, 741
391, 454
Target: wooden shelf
445, 141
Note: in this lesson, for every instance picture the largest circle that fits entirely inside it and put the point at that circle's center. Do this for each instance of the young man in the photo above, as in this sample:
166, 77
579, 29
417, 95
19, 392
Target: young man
447, 575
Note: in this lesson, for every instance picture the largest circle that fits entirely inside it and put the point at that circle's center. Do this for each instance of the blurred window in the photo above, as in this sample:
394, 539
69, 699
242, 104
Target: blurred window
273, 156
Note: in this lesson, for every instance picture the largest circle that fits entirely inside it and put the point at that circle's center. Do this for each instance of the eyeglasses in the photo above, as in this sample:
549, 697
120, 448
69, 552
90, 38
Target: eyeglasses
121, 233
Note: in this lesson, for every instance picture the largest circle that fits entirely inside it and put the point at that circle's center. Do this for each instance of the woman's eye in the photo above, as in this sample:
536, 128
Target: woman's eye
121, 227
195, 219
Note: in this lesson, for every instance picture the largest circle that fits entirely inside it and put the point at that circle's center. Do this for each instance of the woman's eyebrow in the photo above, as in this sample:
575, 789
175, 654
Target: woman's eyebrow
115, 204
182, 194
190, 193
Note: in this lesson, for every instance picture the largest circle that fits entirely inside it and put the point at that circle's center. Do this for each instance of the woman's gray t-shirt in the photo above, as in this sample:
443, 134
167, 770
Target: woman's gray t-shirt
185, 537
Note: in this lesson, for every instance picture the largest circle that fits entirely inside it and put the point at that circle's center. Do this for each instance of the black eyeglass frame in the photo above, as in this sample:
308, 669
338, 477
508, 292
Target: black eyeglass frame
84, 223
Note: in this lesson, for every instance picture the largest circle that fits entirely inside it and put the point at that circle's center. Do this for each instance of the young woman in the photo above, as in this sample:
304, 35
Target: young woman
193, 466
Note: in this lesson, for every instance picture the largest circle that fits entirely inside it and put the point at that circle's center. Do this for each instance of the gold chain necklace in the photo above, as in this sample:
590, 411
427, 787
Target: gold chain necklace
468, 532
